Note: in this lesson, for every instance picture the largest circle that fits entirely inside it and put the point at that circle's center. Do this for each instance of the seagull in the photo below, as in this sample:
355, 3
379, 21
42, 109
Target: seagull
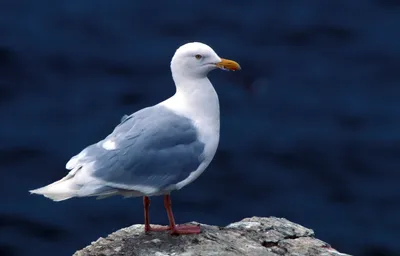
158, 149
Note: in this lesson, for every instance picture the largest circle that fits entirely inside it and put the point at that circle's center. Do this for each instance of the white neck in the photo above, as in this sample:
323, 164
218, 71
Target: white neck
195, 98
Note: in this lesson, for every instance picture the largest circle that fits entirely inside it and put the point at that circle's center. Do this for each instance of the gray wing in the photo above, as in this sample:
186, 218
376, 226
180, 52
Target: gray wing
149, 150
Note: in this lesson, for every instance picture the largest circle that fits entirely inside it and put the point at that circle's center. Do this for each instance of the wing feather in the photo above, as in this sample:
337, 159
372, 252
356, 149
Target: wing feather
148, 151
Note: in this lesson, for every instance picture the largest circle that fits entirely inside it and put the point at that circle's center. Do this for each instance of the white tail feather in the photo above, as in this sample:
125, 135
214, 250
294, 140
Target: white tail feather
58, 191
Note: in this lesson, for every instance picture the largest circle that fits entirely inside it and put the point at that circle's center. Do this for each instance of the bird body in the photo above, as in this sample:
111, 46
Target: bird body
157, 149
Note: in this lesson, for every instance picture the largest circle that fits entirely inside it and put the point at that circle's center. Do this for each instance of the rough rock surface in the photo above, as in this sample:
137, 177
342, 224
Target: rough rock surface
251, 236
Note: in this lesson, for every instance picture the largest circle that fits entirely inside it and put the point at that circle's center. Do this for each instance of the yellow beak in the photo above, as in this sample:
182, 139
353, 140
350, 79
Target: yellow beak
228, 65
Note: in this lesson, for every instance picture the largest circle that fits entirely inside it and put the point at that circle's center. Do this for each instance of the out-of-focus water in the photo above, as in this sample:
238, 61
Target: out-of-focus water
317, 142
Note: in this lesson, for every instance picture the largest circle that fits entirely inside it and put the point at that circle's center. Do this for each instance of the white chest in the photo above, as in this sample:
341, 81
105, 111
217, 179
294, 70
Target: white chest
202, 106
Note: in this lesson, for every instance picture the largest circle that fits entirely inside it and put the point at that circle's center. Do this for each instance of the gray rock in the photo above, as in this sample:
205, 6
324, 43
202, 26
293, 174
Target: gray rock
251, 236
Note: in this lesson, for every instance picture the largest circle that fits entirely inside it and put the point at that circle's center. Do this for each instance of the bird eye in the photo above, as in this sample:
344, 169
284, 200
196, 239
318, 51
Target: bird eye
198, 56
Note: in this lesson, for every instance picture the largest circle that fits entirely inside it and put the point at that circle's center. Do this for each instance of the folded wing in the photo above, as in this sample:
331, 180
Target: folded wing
149, 151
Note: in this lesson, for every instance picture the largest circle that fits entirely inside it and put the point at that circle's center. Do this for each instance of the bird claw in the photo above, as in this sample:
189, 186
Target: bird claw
156, 229
186, 229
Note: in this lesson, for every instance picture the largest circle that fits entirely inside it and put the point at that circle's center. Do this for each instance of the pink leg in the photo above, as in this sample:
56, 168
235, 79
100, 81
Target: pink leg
147, 227
175, 229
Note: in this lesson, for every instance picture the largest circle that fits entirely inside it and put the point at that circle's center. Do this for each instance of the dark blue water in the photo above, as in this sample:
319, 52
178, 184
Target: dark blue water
317, 142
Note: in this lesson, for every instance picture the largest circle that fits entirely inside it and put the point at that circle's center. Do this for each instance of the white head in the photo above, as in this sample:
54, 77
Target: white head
195, 60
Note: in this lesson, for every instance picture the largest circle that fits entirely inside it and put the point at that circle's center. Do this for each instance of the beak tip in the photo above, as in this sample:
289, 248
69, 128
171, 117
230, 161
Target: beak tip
236, 68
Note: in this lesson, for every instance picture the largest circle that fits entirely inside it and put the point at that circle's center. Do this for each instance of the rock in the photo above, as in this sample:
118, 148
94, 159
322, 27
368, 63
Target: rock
251, 236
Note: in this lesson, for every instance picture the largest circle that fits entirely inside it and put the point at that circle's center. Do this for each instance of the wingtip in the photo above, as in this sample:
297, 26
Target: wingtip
55, 196
34, 191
